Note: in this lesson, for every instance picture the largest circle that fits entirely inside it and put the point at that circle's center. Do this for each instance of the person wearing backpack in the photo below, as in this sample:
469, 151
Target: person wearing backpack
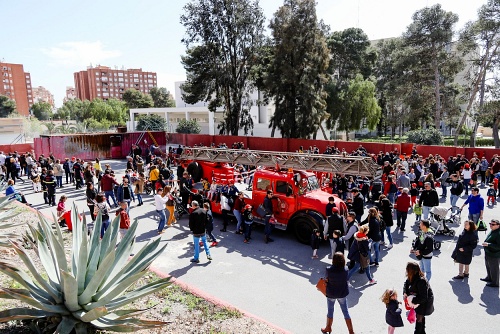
456, 189
332, 223
352, 228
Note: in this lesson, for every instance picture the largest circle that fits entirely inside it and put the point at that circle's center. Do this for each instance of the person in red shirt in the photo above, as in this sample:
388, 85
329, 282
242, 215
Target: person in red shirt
124, 219
403, 204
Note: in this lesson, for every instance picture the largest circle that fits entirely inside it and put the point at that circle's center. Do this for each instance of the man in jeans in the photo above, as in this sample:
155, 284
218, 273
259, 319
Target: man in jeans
160, 209
198, 225
107, 184
428, 199
456, 189
476, 205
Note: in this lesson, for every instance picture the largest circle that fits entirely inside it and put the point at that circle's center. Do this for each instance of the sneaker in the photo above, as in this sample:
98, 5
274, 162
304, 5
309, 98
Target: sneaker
390, 246
315, 257
402, 230
466, 275
195, 260
459, 277
209, 258
246, 241
372, 281
382, 242
215, 243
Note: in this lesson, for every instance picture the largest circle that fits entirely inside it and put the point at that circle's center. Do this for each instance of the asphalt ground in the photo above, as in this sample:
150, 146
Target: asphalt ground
276, 281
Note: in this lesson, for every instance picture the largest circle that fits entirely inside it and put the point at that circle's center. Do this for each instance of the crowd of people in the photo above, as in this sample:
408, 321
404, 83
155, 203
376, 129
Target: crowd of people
408, 188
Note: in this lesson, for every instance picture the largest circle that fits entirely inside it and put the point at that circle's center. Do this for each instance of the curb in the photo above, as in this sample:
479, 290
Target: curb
191, 289
214, 300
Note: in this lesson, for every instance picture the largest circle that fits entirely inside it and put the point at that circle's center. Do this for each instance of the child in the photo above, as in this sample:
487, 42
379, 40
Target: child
491, 195
209, 227
338, 244
413, 194
124, 219
392, 312
35, 178
418, 212
315, 240
248, 220
61, 209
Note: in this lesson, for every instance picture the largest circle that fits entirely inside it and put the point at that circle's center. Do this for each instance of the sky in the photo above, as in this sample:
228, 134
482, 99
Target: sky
55, 38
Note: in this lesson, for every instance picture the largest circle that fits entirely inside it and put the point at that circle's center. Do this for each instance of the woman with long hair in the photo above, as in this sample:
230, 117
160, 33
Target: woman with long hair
464, 249
419, 294
91, 194
169, 205
337, 289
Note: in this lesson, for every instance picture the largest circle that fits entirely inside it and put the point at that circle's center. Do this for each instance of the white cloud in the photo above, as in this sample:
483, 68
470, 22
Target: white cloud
78, 54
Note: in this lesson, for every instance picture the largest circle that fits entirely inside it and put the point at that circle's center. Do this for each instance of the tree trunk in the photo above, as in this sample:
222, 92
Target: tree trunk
346, 135
496, 139
481, 103
437, 115
323, 131
272, 131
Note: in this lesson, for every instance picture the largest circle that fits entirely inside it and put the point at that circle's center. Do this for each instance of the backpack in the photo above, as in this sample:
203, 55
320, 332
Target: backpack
481, 226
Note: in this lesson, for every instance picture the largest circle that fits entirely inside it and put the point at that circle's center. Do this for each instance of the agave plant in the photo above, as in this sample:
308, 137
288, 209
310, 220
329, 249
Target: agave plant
5, 216
89, 291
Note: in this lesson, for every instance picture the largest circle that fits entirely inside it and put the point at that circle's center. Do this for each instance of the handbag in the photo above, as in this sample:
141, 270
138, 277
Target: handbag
364, 260
321, 285
412, 316
261, 211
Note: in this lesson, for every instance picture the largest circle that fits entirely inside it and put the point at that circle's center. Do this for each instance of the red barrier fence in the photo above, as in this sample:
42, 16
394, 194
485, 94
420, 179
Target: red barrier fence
118, 145
20, 148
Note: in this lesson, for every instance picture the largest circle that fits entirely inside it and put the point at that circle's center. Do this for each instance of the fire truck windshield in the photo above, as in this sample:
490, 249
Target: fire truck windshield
312, 183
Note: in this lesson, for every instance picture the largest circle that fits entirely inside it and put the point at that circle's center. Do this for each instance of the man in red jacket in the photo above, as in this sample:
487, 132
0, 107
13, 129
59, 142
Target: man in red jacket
403, 203
107, 185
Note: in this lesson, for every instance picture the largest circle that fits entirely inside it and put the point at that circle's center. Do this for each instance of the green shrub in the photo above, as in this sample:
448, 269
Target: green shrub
425, 137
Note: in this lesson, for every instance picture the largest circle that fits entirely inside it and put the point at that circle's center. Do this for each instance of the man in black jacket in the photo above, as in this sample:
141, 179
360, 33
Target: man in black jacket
268, 206
358, 204
197, 225
428, 199
50, 183
456, 189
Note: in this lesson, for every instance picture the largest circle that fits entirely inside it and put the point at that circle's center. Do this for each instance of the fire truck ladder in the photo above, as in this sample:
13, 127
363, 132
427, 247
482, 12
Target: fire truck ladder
351, 165
141, 136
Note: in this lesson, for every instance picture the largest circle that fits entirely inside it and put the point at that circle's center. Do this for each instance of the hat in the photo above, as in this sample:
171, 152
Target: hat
335, 210
467, 166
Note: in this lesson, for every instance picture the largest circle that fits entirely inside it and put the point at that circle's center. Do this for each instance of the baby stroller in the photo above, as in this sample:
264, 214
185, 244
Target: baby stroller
438, 221
148, 187
179, 209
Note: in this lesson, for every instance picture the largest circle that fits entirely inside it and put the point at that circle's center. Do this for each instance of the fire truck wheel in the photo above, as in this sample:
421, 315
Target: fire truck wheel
303, 227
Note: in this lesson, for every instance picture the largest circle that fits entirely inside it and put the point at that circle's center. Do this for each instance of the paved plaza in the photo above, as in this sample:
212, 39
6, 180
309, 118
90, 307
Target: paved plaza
276, 281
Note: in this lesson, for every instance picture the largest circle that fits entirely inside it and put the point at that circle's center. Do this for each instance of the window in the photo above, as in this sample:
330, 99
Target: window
283, 187
136, 75
263, 184
120, 74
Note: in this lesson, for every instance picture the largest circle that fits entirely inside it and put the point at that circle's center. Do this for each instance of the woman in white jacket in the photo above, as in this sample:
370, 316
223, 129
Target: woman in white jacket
467, 175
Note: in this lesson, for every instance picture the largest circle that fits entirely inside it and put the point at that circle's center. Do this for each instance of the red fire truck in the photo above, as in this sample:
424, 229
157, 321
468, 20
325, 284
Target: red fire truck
298, 201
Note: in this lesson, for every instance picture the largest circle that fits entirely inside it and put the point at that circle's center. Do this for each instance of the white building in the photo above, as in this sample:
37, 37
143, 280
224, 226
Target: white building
207, 120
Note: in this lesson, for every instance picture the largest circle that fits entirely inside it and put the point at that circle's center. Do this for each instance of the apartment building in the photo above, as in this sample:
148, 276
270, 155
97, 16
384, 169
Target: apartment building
104, 83
42, 94
70, 94
16, 85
